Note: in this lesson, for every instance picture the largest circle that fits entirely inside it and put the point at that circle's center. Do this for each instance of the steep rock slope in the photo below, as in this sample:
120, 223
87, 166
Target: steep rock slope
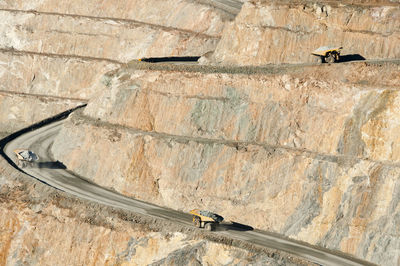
288, 109
189, 15
34, 87
97, 37
38, 225
19, 110
282, 32
52, 75
297, 152
58, 50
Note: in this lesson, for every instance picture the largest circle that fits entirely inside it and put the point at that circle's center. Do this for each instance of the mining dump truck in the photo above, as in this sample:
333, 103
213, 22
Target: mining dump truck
328, 54
206, 219
25, 157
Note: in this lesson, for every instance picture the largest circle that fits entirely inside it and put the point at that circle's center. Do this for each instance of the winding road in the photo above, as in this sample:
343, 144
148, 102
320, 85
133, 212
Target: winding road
56, 175
230, 6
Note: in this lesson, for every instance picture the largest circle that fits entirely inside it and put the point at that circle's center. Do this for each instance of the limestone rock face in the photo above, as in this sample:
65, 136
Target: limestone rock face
100, 38
186, 15
310, 152
267, 32
312, 108
63, 77
58, 49
299, 152
20, 110
35, 87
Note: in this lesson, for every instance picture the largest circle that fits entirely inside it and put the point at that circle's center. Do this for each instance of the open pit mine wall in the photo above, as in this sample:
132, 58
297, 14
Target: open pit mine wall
34, 87
55, 49
52, 75
42, 226
267, 32
188, 15
302, 152
100, 38
121, 30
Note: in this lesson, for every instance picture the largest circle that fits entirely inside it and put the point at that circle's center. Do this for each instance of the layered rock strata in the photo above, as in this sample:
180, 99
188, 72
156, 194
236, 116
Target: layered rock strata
97, 37
193, 16
59, 50
300, 152
267, 32
311, 153
34, 86
20, 110
312, 108
38, 225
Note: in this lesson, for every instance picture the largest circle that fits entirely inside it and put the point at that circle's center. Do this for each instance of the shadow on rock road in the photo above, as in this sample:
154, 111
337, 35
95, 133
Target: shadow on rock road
49, 165
170, 59
351, 57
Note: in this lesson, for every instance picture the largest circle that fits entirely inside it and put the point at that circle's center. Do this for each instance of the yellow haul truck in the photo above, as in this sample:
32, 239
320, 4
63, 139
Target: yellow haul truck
25, 157
328, 54
206, 219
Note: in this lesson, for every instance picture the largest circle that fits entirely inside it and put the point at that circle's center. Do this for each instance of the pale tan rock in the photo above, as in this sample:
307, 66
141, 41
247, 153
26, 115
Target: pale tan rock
285, 152
309, 153
310, 108
64, 77
327, 200
267, 32
187, 15
382, 133
40, 226
20, 110
101, 38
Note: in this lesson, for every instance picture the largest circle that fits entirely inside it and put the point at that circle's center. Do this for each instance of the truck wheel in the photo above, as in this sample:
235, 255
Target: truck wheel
330, 58
22, 164
209, 227
197, 222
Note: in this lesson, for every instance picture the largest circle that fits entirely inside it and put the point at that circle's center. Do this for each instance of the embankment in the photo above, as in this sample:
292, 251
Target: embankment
301, 152
38, 224
277, 32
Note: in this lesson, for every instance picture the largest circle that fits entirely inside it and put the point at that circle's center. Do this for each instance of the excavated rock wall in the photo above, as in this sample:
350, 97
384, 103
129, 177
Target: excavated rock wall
41, 226
50, 49
186, 15
267, 32
60, 50
310, 153
34, 87
51, 75
97, 37
19, 110
350, 114
300, 153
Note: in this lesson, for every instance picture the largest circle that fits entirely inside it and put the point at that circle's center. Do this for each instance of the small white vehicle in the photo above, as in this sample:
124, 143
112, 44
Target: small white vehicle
25, 157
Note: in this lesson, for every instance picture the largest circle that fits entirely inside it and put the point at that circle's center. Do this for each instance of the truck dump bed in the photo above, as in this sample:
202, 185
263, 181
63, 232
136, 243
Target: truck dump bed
26, 155
324, 50
207, 216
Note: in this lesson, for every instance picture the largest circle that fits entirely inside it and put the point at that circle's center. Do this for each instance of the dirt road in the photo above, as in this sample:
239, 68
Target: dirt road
55, 174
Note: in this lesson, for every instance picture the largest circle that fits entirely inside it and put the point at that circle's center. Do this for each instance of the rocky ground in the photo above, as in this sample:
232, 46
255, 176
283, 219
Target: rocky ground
267, 32
42, 226
224, 138
305, 150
